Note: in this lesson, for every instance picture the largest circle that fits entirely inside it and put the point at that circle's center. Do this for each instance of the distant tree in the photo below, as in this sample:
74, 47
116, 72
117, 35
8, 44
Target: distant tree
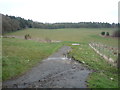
12, 23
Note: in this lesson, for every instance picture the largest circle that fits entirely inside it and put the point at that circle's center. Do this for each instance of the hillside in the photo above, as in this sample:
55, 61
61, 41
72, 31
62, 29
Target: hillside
12, 23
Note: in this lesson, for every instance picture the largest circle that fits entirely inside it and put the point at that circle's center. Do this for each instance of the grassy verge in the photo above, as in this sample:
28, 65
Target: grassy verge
104, 75
20, 55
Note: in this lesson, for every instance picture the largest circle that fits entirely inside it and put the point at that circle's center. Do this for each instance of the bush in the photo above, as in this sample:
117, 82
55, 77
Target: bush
102, 33
107, 34
27, 36
116, 33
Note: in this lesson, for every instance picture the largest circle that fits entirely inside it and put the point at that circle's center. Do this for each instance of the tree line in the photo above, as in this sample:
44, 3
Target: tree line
12, 23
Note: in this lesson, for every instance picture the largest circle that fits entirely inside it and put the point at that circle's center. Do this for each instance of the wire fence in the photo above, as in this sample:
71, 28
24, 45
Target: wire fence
109, 52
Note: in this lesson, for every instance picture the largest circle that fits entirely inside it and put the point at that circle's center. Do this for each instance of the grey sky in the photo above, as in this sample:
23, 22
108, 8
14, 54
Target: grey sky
62, 10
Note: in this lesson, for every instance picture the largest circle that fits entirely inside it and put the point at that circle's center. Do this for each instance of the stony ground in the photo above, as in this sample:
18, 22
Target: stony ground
57, 71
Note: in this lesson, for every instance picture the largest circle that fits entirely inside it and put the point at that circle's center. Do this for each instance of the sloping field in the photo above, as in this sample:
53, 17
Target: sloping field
70, 34
20, 55
104, 75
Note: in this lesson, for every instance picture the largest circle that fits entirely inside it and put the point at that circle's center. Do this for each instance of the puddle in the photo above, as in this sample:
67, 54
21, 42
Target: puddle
57, 58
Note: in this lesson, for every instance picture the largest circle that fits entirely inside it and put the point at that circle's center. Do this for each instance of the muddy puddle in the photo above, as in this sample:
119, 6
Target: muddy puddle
57, 71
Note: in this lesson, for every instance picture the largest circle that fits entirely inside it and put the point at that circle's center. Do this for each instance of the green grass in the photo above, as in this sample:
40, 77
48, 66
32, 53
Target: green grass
20, 55
103, 71
20, 51
70, 34
108, 52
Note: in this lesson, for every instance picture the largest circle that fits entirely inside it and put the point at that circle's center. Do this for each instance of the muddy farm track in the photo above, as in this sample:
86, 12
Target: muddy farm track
57, 71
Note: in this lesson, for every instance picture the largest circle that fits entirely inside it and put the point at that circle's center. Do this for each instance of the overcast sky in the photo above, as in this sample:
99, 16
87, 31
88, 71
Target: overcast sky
52, 11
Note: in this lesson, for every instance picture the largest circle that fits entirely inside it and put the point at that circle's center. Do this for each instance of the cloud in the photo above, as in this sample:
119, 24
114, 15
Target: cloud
62, 10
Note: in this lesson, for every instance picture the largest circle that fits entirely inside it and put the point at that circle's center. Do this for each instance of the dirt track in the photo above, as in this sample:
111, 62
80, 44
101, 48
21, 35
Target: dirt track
57, 71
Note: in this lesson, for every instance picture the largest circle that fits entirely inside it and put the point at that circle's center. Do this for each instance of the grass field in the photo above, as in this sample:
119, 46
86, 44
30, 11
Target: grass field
85, 35
21, 51
20, 55
104, 75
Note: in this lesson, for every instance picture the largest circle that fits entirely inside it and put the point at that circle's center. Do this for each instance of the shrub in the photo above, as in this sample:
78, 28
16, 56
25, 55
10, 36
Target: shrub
102, 33
27, 36
116, 33
107, 34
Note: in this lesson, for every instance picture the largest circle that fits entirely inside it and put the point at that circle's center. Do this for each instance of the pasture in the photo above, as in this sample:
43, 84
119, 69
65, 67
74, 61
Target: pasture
19, 55
85, 35
23, 54
104, 74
